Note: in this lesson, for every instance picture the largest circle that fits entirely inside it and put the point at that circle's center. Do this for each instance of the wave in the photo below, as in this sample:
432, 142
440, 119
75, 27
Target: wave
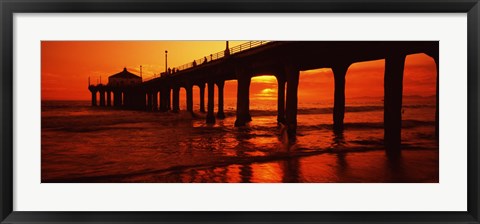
125, 124
84, 105
368, 125
51, 105
329, 110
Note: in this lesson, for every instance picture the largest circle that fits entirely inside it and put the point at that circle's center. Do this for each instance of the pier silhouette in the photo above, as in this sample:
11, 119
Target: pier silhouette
282, 59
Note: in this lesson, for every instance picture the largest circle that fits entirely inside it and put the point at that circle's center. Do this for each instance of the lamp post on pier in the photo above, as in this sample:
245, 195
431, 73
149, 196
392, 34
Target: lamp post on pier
166, 66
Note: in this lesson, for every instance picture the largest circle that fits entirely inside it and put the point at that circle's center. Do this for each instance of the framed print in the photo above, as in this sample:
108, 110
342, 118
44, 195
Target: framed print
263, 112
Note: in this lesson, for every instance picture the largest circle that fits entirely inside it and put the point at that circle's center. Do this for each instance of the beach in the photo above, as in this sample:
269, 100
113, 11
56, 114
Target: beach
85, 144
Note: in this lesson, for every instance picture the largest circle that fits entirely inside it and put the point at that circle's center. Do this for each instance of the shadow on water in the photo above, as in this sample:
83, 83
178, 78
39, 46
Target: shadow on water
242, 135
395, 167
291, 170
342, 164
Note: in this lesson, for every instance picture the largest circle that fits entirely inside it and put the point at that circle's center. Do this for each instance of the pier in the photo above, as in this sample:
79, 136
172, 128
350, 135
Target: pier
282, 59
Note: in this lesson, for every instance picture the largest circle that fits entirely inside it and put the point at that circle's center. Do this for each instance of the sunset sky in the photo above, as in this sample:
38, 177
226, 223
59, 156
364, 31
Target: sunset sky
67, 65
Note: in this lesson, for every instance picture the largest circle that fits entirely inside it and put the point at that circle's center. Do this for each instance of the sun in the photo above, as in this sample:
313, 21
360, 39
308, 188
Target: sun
268, 91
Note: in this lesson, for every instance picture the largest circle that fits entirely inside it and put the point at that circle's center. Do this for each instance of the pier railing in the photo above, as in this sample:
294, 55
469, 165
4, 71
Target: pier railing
213, 57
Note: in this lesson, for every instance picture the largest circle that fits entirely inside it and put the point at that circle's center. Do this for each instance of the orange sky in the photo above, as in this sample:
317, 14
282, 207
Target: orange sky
66, 66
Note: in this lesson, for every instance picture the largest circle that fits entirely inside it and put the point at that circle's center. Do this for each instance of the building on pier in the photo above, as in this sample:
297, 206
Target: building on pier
122, 90
124, 78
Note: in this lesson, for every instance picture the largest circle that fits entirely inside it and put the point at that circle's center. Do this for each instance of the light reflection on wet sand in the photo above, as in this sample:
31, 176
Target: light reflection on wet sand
415, 166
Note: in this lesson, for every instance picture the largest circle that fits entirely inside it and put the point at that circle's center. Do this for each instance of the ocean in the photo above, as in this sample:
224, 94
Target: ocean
85, 144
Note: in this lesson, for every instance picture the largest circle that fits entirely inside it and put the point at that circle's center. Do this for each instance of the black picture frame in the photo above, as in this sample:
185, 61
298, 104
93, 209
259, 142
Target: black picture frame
9, 7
